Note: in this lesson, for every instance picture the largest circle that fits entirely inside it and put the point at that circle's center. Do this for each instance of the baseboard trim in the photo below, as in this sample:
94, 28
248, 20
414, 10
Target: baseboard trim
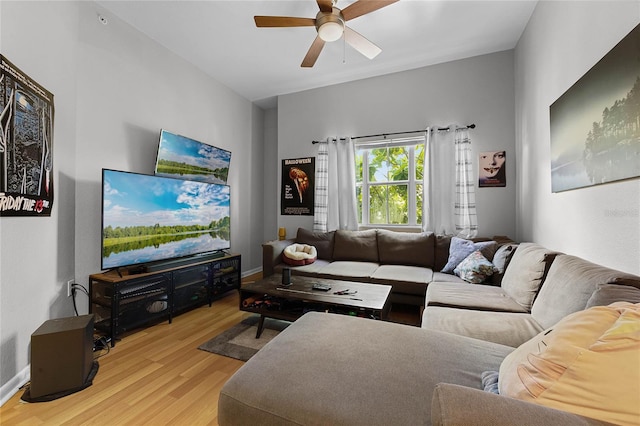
13, 385
252, 272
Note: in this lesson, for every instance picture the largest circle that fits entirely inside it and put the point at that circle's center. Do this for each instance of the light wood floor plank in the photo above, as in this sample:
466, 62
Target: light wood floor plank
153, 376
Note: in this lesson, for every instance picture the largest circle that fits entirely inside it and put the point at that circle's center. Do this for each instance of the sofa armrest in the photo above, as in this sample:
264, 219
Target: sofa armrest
454, 405
271, 255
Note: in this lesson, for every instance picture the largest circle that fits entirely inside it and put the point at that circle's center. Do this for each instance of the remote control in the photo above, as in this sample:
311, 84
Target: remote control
321, 287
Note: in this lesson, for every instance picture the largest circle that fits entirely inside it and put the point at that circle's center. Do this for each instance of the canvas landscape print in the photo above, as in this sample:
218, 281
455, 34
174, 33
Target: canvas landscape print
595, 125
151, 218
185, 158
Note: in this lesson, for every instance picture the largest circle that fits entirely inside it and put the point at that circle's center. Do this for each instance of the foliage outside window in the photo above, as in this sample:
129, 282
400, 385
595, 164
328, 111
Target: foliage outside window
390, 191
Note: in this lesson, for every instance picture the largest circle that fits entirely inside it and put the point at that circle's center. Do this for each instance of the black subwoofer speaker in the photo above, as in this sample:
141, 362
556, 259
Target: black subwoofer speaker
61, 355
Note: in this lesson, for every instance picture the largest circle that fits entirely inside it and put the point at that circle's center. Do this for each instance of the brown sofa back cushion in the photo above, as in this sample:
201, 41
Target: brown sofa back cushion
406, 248
356, 245
322, 241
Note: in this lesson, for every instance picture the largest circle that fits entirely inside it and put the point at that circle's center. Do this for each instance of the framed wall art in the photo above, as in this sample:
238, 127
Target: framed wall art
492, 169
298, 186
595, 125
26, 144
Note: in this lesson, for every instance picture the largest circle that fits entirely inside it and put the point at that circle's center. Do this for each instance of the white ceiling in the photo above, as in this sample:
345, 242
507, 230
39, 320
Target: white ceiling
220, 38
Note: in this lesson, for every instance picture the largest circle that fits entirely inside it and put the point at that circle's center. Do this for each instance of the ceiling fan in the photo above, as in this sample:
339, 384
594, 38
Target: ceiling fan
330, 25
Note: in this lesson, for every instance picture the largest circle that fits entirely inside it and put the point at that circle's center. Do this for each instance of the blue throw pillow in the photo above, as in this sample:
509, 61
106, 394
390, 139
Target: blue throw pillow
461, 248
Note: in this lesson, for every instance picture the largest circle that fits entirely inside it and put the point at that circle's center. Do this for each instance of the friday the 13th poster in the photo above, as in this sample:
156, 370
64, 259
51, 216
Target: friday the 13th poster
26, 142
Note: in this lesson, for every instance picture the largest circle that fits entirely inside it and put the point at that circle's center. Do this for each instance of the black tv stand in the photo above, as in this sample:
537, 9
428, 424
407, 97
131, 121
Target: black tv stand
122, 300
181, 261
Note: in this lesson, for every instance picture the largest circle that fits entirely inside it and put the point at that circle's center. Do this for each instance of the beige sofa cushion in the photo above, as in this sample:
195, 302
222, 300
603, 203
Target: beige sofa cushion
569, 285
506, 328
406, 248
587, 364
469, 296
607, 294
526, 272
405, 279
349, 270
356, 245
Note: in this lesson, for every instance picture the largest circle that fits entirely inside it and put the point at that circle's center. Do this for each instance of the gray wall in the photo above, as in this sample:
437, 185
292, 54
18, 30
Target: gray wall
114, 90
562, 41
477, 90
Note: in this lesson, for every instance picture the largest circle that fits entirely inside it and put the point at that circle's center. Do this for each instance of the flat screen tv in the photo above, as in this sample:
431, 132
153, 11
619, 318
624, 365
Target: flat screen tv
185, 158
148, 219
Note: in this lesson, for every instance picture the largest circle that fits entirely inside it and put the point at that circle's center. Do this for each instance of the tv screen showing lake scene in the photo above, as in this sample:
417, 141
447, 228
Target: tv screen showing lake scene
185, 158
153, 218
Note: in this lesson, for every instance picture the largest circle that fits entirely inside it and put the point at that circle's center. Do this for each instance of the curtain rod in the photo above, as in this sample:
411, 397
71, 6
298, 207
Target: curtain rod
439, 129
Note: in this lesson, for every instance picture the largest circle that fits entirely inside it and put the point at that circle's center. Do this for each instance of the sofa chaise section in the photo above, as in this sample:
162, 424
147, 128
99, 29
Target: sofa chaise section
340, 370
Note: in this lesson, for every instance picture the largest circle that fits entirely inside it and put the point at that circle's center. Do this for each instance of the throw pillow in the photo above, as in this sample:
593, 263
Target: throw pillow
461, 248
490, 381
501, 260
475, 268
586, 364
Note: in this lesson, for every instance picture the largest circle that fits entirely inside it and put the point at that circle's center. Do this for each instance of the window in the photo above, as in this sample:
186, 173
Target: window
390, 192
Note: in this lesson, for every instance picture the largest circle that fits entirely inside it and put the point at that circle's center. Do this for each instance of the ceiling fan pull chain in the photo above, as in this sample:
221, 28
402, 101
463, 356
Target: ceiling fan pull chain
344, 49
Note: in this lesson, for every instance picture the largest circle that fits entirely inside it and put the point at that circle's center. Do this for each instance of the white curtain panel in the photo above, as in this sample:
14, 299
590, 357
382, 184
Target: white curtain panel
439, 184
322, 187
341, 204
466, 219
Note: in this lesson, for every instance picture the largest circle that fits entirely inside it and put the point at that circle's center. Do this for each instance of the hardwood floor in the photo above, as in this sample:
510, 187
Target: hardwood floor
156, 375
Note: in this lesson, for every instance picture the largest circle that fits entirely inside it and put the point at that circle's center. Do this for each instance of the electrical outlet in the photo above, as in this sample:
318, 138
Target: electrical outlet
69, 285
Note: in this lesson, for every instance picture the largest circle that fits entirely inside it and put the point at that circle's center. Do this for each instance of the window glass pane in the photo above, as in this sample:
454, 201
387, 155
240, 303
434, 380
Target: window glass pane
359, 164
419, 204
359, 202
378, 204
419, 156
398, 204
398, 163
378, 165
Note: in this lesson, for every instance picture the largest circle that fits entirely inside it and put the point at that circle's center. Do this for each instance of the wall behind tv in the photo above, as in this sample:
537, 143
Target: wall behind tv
562, 41
475, 90
114, 89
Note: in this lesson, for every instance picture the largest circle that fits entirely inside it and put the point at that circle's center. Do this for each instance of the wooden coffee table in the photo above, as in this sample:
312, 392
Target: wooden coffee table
269, 298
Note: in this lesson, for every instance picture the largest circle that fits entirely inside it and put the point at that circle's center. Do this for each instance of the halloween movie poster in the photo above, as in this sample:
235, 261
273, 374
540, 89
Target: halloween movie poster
26, 143
297, 186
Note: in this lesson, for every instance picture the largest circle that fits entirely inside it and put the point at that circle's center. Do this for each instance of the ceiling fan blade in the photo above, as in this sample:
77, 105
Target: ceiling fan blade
313, 53
362, 7
325, 5
361, 44
283, 21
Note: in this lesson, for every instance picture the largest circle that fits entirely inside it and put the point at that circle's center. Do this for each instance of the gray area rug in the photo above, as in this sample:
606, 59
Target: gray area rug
240, 341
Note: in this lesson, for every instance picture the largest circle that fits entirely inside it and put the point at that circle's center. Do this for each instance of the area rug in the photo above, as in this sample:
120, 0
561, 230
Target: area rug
240, 341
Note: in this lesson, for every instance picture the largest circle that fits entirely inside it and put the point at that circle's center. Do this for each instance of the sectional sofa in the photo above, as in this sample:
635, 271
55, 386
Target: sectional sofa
556, 342
406, 261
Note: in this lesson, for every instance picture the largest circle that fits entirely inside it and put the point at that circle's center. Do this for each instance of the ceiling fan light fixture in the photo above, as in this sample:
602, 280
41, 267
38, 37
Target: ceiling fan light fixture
330, 31
330, 26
